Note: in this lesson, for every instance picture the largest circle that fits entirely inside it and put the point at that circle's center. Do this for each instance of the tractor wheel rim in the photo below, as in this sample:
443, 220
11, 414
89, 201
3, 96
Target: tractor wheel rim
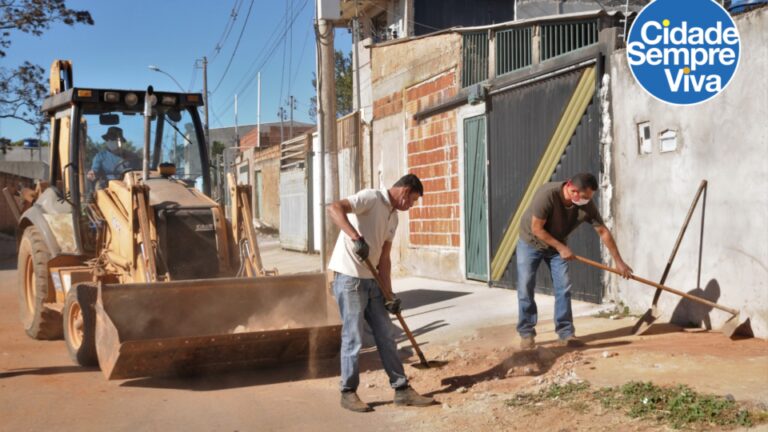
75, 325
29, 284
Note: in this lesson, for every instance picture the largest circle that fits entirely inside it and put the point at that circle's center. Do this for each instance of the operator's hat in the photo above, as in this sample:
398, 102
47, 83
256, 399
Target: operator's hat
113, 133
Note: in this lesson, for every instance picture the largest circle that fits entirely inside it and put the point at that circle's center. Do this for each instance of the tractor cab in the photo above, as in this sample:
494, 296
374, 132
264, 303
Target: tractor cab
99, 135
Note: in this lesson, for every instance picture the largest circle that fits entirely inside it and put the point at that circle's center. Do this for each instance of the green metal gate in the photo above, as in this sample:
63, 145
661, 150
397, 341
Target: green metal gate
475, 215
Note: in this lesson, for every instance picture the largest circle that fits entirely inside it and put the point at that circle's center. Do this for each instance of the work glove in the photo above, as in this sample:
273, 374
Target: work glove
361, 249
393, 306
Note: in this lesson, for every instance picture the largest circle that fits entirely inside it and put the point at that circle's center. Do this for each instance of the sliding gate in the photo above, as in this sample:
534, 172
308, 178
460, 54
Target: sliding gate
544, 131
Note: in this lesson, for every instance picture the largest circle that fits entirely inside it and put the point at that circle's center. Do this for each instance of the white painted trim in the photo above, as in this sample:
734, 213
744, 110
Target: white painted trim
465, 112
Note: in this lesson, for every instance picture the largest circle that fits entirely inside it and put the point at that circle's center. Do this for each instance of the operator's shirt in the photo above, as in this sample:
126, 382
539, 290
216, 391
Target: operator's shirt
107, 163
376, 220
561, 220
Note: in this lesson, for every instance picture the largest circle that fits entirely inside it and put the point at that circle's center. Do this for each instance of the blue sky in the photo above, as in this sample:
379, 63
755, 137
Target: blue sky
130, 35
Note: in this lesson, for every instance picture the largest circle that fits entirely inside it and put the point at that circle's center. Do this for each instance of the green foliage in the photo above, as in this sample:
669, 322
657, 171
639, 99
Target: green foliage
676, 406
217, 148
564, 392
23, 88
619, 311
679, 406
344, 92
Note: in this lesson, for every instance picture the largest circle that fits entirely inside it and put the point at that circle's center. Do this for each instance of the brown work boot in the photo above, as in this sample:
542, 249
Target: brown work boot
571, 342
407, 396
350, 401
527, 343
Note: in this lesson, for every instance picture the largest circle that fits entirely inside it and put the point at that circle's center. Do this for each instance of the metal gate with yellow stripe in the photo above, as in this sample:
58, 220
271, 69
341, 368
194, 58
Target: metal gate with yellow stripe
547, 130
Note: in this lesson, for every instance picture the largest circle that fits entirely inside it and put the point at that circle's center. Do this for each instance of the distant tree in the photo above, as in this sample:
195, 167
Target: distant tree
343, 66
23, 88
217, 148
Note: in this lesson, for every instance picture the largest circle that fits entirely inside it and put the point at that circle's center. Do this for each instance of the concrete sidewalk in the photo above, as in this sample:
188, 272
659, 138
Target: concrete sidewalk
437, 311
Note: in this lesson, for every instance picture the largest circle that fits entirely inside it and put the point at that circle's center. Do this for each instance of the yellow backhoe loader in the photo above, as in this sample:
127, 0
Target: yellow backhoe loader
123, 253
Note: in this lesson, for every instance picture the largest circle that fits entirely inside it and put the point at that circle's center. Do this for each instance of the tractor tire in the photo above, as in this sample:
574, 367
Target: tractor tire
80, 324
40, 320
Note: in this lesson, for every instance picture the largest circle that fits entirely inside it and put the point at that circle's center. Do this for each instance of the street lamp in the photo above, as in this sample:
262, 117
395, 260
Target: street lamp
157, 69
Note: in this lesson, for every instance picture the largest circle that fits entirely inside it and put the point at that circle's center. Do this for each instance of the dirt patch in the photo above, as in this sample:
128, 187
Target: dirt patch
487, 369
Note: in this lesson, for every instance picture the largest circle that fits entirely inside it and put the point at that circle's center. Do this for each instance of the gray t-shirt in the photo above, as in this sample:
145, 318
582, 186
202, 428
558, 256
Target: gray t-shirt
561, 220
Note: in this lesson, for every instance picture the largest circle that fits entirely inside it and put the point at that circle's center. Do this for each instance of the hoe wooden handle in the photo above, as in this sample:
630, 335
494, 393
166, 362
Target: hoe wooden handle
657, 285
399, 316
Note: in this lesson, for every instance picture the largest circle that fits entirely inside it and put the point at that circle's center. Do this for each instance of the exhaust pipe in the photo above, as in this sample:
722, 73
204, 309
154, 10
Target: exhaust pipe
147, 132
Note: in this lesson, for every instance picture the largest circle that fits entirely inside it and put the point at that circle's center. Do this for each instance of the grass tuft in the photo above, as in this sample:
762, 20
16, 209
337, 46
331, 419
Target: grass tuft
677, 406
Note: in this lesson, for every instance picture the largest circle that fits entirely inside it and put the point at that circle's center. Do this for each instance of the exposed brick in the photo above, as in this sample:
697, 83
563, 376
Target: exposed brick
440, 198
454, 182
453, 153
455, 240
427, 158
425, 144
435, 185
442, 226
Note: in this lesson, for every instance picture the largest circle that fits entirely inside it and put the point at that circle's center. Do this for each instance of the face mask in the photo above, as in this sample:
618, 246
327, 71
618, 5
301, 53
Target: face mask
580, 201
112, 145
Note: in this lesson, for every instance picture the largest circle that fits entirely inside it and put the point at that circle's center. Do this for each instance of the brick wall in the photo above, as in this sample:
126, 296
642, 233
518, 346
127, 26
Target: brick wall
388, 105
433, 155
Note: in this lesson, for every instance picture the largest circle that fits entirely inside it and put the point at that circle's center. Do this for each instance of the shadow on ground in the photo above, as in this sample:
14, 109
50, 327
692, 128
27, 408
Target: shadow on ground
543, 358
421, 297
238, 379
299, 371
49, 370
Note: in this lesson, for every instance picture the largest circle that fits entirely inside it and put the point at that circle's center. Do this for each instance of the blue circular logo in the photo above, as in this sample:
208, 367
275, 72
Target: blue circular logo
683, 52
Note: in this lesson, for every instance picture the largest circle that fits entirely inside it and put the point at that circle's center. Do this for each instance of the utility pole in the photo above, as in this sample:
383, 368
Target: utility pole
205, 103
292, 107
258, 110
281, 114
327, 115
237, 131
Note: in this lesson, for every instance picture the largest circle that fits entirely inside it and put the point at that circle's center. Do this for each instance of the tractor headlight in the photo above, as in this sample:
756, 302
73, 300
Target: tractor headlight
131, 99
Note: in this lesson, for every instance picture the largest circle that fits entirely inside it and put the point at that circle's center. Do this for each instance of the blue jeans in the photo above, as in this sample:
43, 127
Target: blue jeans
528, 260
361, 299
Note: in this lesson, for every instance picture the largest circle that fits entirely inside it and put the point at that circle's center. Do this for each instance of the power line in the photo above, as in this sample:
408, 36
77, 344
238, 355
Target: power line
301, 58
269, 46
290, 47
237, 45
249, 77
227, 30
282, 68
194, 76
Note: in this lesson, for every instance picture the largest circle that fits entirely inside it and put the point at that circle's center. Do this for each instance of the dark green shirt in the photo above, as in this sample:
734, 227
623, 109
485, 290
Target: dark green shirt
548, 204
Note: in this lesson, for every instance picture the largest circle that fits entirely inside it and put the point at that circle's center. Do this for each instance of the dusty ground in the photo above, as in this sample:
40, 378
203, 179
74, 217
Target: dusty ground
41, 389
484, 372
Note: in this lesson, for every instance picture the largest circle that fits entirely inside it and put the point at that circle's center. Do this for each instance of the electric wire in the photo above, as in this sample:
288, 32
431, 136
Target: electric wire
237, 45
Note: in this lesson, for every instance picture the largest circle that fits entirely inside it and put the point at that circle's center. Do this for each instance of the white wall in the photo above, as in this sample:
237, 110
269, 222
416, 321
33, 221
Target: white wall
725, 141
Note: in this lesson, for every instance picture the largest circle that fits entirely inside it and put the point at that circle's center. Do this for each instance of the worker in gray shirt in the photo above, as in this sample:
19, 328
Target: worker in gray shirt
556, 210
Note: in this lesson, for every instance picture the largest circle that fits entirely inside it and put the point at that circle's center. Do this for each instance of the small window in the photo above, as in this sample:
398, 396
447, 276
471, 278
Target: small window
668, 141
645, 144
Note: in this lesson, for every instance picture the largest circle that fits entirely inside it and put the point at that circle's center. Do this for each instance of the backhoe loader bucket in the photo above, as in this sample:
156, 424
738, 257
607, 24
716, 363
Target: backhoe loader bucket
187, 327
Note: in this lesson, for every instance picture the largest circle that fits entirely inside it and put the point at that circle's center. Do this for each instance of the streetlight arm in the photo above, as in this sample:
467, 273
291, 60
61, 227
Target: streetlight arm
157, 69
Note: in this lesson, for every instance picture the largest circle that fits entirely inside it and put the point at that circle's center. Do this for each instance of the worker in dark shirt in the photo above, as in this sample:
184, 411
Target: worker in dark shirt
556, 210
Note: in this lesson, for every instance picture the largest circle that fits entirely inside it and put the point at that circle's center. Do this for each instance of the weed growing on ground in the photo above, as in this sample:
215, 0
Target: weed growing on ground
564, 392
620, 310
678, 406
